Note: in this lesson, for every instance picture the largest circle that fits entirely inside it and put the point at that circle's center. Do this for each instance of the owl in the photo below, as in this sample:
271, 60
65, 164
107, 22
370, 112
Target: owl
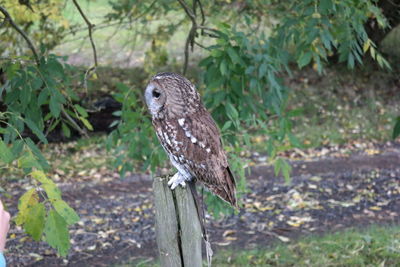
189, 135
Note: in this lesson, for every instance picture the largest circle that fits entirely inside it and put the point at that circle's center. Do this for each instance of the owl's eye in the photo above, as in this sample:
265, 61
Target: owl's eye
156, 94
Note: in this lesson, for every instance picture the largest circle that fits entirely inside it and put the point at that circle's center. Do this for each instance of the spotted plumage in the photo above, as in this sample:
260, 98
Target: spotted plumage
189, 135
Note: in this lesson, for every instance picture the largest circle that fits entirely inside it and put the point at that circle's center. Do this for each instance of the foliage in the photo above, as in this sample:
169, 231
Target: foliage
41, 19
37, 98
317, 29
134, 131
50, 217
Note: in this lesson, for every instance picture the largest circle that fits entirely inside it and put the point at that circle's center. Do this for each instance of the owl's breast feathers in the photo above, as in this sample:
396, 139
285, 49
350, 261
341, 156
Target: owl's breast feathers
194, 141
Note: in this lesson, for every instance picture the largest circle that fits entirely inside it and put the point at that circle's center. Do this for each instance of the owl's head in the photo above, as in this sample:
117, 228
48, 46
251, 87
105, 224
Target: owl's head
172, 94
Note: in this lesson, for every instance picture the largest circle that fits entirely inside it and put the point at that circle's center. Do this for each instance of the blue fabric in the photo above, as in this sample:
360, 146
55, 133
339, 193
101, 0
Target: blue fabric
2, 260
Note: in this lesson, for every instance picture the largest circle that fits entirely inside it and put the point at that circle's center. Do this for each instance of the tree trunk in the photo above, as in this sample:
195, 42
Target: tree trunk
178, 228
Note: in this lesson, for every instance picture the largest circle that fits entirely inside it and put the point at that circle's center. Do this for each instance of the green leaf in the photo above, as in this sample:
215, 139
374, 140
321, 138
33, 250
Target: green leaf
28, 161
86, 123
56, 233
36, 130
117, 113
283, 166
286, 170
43, 96
226, 126
325, 5
25, 96
233, 55
55, 107
293, 140
65, 211
231, 111
277, 166
51, 189
396, 130
25, 202
36, 151
66, 130
263, 70
37, 83
350, 61
81, 110
34, 224
41, 177
5, 153
17, 148
304, 59
223, 68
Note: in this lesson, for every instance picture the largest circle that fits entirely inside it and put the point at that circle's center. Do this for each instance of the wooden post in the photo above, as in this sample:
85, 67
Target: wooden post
178, 228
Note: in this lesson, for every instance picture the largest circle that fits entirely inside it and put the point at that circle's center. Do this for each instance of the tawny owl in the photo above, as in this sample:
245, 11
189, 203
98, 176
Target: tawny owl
189, 135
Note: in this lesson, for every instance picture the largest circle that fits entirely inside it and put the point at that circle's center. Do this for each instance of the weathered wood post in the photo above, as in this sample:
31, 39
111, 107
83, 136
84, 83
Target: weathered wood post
178, 228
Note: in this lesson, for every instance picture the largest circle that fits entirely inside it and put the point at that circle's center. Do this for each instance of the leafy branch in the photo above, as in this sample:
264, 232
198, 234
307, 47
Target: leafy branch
190, 40
21, 32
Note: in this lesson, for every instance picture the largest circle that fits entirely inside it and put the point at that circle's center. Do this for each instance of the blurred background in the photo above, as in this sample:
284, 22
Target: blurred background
306, 94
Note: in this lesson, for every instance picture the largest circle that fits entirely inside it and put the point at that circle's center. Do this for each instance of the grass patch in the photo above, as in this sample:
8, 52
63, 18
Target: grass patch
374, 246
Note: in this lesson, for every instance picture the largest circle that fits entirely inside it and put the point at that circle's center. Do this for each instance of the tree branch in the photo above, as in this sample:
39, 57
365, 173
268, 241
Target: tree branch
90, 28
190, 40
192, 33
203, 18
188, 11
21, 32
74, 124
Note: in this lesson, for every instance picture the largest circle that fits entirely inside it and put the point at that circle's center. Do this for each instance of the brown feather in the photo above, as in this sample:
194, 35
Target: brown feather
227, 190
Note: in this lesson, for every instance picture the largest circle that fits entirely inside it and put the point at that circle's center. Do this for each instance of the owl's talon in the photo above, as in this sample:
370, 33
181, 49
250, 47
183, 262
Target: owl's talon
176, 180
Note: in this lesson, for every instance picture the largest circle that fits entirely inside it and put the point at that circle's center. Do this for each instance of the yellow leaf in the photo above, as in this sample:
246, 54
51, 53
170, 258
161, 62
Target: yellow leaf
28, 200
228, 233
266, 208
372, 151
366, 45
86, 123
316, 15
375, 208
294, 224
283, 238
41, 177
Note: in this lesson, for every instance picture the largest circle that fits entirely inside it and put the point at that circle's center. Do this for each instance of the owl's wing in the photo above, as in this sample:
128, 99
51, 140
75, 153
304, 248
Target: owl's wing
202, 151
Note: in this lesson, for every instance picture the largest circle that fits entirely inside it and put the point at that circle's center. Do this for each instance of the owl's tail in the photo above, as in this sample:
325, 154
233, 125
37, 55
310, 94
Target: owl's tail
227, 191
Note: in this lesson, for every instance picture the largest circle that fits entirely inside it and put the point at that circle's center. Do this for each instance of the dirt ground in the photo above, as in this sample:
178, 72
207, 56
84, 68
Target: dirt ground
330, 190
